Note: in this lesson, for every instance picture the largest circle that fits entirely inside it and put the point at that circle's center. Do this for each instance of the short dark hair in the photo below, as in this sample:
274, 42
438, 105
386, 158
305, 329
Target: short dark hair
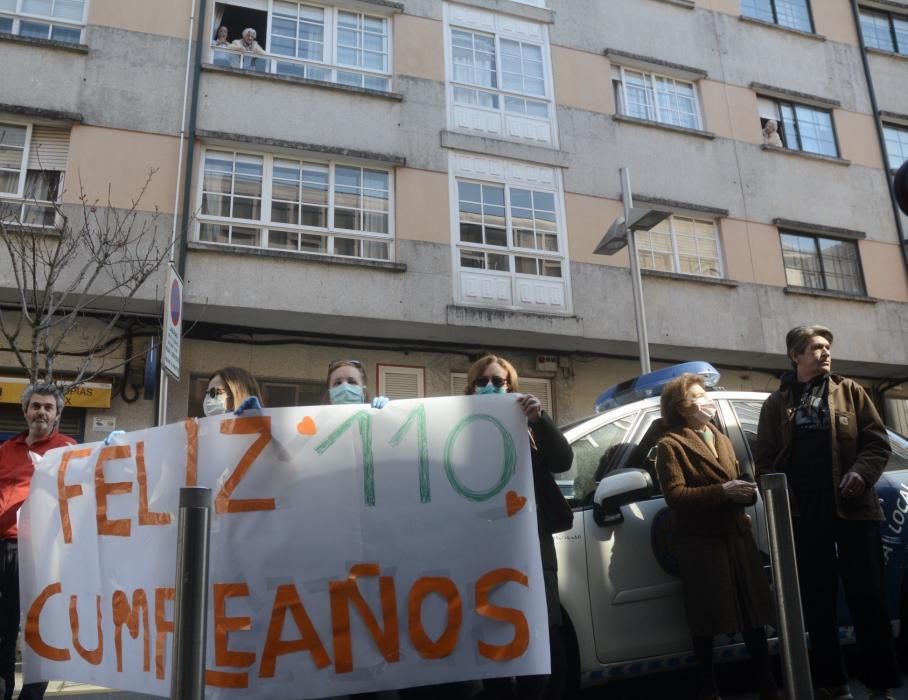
43, 389
674, 395
799, 337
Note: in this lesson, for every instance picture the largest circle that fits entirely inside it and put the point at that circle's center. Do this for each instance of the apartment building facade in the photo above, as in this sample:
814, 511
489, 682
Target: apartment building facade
415, 183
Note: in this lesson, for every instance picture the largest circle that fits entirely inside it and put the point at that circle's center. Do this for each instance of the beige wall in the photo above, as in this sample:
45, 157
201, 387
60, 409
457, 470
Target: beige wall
858, 138
582, 80
164, 17
834, 20
884, 271
418, 46
422, 206
588, 218
121, 160
766, 254
730, 111
730, 7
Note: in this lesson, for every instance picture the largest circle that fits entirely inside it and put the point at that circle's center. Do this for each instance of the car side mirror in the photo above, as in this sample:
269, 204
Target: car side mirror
617, 489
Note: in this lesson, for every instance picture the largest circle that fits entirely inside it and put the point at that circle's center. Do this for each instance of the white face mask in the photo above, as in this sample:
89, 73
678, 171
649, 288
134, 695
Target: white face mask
706, 409
214, 406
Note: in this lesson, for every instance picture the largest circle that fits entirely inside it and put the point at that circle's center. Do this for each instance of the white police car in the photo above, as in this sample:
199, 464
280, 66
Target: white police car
620, 591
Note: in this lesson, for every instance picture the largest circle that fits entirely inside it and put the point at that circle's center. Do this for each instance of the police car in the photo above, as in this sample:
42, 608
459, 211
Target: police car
619, 584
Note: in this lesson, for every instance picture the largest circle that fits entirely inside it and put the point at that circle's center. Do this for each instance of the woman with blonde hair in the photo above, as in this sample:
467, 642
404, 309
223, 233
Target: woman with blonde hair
229, 389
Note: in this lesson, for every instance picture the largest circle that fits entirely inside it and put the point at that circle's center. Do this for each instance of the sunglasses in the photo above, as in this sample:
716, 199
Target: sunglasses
214, 392
340, 363
497, 382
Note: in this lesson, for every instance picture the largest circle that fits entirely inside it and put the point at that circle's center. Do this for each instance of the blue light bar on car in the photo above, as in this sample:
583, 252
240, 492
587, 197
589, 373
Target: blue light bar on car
651, 384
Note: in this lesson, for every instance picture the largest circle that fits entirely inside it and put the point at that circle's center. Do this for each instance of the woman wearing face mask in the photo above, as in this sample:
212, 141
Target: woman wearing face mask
550, 453
725, 589
229, 389
347, 384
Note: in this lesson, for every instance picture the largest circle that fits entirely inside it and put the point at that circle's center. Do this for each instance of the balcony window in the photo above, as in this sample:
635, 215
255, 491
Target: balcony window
308, 41
801, 127
683, 245
32, 162
498, 82
896, 145
794, 14
57, 20
656, 98
885, 31
267, 201
826, 264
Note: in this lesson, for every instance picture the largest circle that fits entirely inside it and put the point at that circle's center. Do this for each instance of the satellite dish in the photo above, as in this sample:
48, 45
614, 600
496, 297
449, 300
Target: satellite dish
901, 187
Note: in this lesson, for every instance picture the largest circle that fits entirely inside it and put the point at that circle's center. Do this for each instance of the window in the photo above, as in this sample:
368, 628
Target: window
498, 75
268, 201
884, 31
276, 393
59, 20
594, 455
401, 382
681, 244
32, 162
896, 145
308, 41
801, 127
828, 264
794, 14
655, 98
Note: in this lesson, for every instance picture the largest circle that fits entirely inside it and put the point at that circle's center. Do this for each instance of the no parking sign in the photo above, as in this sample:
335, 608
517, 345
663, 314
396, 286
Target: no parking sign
173, 324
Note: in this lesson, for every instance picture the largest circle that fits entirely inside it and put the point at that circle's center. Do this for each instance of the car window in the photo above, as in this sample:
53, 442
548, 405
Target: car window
595, 453
899, 458
748, 415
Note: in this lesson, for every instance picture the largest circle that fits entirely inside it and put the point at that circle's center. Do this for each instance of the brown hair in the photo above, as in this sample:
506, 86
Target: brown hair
798, 339
337, 364
478, 367
240, 385
674, 395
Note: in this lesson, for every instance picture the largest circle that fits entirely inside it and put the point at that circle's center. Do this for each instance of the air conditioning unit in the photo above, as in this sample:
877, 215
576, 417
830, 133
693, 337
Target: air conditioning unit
546, 363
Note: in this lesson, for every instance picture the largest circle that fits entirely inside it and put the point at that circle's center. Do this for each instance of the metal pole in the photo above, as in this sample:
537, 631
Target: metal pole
187, 680
636, 280
795, 664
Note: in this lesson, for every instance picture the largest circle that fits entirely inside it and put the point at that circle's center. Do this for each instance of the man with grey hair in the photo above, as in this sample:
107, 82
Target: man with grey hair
42, 405
824, 433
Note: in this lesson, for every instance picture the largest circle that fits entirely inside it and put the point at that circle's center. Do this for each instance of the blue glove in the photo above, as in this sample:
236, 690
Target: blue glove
380, 401
250, 404
111, 435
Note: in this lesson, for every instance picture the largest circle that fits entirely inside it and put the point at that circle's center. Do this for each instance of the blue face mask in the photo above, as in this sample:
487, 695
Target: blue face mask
346, 393
491, 389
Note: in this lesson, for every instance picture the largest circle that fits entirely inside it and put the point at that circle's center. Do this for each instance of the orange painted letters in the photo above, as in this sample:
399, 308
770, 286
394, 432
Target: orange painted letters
484, 587
103, 489
244, 426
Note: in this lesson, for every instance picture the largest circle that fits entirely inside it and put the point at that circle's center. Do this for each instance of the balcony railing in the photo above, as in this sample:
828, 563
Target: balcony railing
276, 64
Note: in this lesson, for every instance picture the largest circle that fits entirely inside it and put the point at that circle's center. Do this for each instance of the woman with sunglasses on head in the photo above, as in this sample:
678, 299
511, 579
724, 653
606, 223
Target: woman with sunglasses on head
231, 389
347, 384
550, 453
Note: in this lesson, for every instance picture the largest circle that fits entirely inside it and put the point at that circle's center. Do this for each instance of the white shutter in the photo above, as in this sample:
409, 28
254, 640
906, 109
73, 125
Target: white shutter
540, 388
897, 413
49, 148
397, 382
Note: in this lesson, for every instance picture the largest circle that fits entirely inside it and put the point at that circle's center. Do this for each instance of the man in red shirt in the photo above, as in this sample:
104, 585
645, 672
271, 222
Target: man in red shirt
41, 405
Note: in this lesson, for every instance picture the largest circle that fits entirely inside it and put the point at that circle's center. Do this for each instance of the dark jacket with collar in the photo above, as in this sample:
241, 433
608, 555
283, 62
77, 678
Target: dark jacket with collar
859, 441
725, 588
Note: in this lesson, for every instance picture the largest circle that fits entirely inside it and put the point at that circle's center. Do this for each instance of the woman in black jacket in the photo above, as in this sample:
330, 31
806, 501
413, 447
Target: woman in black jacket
551, 453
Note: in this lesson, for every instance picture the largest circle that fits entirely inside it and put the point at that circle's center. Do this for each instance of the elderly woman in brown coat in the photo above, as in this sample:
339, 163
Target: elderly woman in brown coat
725, 590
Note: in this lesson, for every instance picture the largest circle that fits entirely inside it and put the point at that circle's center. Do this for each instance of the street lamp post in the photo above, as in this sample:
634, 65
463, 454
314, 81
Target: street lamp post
621, 234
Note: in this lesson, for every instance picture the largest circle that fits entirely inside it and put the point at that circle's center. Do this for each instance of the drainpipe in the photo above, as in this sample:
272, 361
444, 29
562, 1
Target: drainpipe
881, 136
190, 154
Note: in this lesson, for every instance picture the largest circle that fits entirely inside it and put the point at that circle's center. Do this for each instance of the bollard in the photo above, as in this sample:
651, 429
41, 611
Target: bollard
795, 663
190, 616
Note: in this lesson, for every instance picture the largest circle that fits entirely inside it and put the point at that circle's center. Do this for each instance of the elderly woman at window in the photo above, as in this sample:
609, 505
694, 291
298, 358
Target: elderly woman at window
248, 43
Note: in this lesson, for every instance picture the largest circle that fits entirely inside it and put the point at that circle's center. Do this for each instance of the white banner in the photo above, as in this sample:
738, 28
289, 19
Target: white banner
352, 549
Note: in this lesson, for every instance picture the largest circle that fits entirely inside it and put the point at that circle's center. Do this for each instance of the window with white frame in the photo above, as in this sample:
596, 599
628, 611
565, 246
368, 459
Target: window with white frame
681, 244
498, 75
817, 262
281, 203
59, 20
509, 238
309, 41
656, 98
896, 145
801, 127
884, 31
32, 163
401, 382
794, 14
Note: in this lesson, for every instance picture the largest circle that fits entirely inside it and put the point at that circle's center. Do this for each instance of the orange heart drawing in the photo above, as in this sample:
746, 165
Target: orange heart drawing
306, 426
514, 502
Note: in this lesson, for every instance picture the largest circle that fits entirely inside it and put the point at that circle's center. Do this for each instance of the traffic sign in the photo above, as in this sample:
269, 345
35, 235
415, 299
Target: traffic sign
173, 324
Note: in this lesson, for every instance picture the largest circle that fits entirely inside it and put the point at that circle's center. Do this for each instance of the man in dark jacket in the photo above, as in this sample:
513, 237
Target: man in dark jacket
823, 431
41, 405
